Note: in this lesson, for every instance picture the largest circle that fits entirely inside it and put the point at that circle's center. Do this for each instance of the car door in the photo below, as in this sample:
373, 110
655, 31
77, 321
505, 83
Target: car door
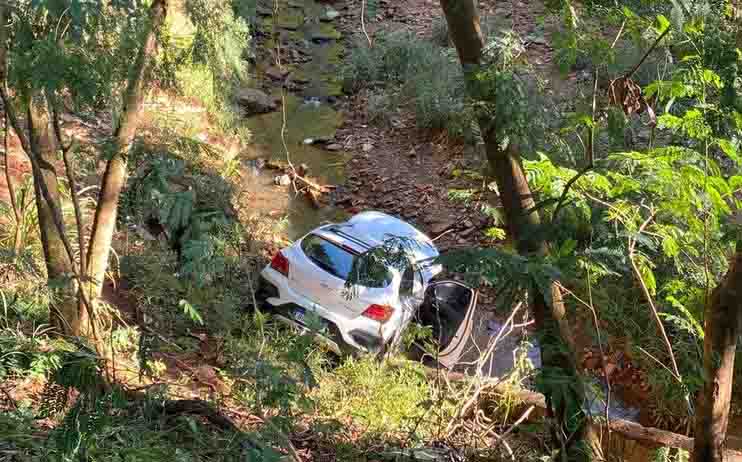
448, 309
410, 296
411, 291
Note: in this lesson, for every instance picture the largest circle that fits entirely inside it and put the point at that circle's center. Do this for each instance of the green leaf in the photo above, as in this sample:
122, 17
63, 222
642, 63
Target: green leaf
669, 104
670, 246
586, 120
664, 24
568, 247
687, 315
191, 312
736, 116
729, 149
670, 121
717, 200
720, 185
695, 26
711, 78
647, 276
495, 233
735, 182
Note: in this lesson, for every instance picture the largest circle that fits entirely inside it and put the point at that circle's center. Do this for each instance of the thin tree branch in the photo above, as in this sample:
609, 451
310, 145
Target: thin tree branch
562, 199
660, 363
520, 420
602, 355
590, 154
78, 219
618, 35
363, 23
648, 295
11, 187
73, 186
651, 49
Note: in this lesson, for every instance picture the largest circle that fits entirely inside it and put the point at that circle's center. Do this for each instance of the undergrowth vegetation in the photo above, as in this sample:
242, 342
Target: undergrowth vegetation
401, 70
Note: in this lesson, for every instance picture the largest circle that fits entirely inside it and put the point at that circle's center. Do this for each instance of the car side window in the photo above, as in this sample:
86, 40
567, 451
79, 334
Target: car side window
408, 282
411, 282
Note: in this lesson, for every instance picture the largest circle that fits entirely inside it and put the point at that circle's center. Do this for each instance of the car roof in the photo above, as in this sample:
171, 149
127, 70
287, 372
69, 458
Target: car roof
367, 230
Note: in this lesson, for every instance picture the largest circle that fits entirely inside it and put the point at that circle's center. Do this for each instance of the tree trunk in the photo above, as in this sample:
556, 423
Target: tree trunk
65, 314
114, 177
18, 216
561, 383
722, 319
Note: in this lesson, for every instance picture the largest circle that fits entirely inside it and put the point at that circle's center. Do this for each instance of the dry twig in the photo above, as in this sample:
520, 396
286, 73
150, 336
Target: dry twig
363, 23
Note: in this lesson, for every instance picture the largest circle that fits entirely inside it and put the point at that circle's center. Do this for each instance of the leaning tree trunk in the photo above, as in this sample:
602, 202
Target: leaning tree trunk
114, 177
722, 326
64, 314
561, 383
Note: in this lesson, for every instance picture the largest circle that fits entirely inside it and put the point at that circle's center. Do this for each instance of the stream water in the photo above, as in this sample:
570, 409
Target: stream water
303, 30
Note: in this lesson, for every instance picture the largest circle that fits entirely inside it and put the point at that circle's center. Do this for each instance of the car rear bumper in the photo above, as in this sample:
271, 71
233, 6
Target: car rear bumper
340, 336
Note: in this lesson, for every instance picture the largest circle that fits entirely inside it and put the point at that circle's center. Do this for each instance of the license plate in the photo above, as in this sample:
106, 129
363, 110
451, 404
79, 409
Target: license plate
299, 315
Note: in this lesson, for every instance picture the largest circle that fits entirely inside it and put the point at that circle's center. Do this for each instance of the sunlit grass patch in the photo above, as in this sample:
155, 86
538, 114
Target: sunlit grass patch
381, 397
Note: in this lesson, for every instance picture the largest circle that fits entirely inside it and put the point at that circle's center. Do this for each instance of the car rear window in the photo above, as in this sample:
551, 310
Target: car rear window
339, 262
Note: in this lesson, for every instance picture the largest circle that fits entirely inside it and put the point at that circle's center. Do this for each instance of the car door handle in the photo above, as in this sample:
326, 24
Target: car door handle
323, 285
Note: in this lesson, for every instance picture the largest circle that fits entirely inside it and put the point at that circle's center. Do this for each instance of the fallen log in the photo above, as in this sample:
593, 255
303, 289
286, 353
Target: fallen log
646, 436
304, 183
272, 164
203, 409
310, 189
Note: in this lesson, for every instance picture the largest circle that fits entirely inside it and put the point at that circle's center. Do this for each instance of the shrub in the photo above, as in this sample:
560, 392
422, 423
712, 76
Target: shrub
380, 107
439, 33
426, 77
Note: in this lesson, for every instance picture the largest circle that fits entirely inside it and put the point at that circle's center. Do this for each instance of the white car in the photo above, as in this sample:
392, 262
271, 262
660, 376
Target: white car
311, 274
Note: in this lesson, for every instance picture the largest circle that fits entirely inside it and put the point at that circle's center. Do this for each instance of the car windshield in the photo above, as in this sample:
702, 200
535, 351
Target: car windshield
339, 262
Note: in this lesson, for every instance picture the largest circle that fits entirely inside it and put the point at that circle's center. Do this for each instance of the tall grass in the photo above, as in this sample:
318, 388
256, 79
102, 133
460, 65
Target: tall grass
383, 398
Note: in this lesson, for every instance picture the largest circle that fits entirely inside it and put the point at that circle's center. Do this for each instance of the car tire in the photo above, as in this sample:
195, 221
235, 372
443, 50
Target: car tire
346, 351
263, 292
